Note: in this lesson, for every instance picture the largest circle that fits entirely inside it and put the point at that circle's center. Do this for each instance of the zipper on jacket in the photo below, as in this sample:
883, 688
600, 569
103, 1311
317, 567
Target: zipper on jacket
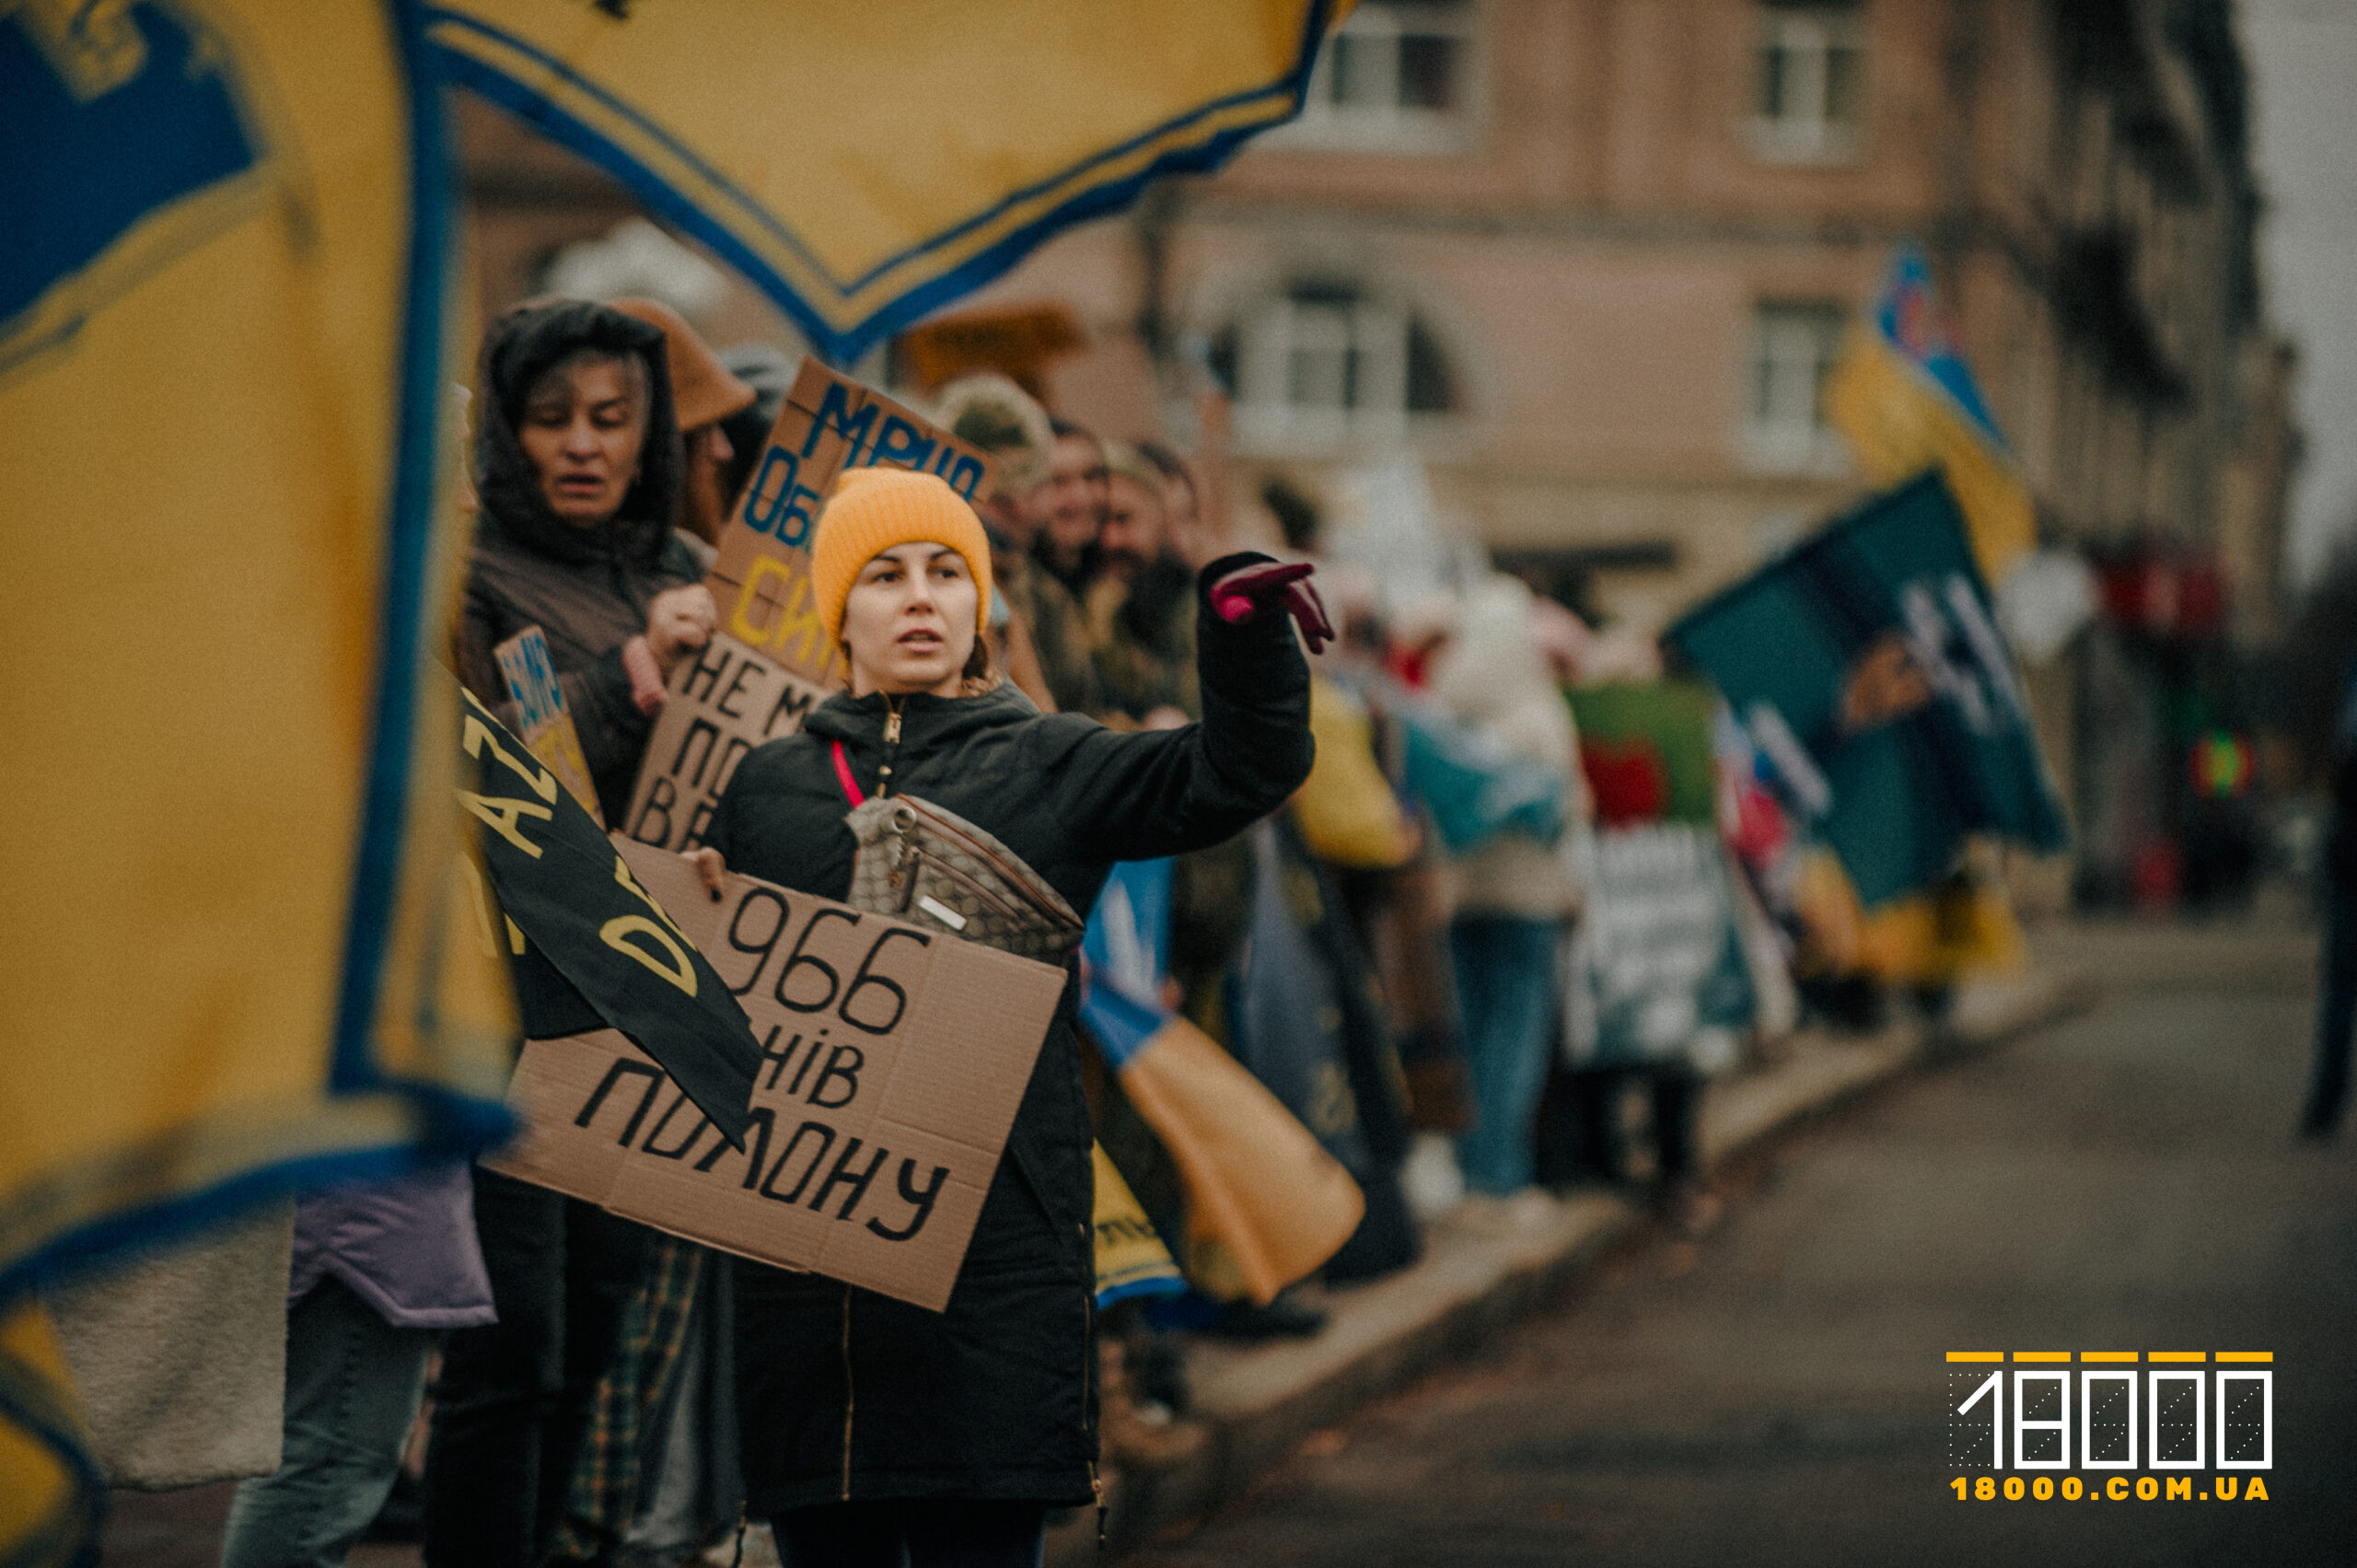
891, 746
847, 1394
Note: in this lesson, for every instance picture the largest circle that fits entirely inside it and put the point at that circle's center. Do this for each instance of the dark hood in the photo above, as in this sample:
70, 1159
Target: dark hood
522, 344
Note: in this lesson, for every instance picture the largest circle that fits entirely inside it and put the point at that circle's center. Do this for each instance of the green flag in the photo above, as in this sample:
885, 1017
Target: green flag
1867, 667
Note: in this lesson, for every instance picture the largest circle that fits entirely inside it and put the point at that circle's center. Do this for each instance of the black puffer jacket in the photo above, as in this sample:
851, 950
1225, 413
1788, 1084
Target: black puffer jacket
589, 590
846, 1394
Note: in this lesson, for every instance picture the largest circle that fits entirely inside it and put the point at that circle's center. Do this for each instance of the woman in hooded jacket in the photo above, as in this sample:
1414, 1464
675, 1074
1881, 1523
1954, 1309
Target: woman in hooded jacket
578, 468
875, 1432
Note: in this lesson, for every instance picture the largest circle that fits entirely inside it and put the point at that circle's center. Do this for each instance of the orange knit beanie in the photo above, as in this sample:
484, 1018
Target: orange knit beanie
877, 508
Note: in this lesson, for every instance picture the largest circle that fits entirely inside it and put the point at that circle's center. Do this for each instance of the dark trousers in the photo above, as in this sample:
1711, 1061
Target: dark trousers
1595, 1098
513, 1396
925, 1532
2337, 1015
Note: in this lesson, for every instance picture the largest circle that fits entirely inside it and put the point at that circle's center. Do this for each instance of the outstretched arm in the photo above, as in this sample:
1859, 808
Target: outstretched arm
1140, 796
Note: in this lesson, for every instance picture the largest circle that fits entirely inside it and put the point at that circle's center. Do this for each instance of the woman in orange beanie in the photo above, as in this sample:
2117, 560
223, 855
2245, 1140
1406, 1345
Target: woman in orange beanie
875, 1432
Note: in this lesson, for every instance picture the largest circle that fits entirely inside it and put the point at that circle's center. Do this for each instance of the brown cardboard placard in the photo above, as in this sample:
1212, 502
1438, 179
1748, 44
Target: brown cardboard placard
771, 662
546, 726
760, 580
723, 703
893, 1060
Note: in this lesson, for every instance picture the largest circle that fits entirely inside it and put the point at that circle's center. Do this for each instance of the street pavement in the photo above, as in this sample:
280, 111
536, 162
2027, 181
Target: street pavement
1776, 1391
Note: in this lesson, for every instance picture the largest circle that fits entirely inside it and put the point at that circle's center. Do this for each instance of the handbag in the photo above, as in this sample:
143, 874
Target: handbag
923, 864
930, 866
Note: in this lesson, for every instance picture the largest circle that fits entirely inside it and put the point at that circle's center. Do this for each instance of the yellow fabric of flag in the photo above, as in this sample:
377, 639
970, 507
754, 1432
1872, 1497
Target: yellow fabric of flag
1131, 1257
1903, 398
225, 815
50, 1494
1346, 809
863, 164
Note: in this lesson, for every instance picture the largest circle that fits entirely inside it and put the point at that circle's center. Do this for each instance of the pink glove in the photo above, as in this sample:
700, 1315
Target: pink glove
646, 688
1240, 595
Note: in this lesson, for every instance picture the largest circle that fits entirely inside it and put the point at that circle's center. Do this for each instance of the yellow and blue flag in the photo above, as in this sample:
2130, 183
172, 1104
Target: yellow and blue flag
1266, 1205
863, 165
1903, 398
236, 951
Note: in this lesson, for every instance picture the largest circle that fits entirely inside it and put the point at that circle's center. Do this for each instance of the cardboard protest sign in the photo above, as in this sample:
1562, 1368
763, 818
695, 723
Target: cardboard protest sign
892, 1060
1868, 668
548, 731
1659, 977
725, 703
772, 662
1017, 341
579, 922
761, 578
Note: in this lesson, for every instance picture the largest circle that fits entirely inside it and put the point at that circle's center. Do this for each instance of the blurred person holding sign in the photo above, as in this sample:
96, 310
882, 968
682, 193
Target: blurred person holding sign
580, 469
875, 1431
579, 466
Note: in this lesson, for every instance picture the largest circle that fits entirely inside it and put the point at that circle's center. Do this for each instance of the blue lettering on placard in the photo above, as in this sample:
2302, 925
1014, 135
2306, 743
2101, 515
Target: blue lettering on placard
775, 504
902, 445
964, 475
113, 113
856, 428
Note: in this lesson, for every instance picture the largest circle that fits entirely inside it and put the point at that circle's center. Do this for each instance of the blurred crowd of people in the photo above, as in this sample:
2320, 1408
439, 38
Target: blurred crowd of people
1453, 955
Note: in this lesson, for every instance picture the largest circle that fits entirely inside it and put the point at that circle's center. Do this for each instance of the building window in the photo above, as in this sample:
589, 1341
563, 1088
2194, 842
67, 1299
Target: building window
1325, 362
1793, 345
1811, 106
1396, 75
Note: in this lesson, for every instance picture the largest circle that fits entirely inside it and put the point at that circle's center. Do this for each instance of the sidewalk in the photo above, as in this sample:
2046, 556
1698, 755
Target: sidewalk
1260, 1401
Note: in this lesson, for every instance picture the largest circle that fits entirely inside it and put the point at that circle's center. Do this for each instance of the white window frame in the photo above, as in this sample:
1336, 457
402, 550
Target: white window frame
1287, 346
1795, 342
1805, 132
1374, 28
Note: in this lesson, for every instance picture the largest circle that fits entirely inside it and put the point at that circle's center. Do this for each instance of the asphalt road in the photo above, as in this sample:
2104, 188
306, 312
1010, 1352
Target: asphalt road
1777, 1392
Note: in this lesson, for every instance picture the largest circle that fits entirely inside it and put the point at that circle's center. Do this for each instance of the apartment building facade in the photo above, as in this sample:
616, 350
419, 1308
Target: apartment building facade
1590, 260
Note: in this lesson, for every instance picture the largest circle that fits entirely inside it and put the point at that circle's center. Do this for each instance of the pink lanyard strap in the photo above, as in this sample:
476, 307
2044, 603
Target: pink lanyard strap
843, 775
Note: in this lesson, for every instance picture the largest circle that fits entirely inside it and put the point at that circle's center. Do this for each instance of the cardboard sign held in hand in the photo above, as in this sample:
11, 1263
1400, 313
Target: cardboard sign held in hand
771, 662
723, 703
761, 578
893, 1063
546, 724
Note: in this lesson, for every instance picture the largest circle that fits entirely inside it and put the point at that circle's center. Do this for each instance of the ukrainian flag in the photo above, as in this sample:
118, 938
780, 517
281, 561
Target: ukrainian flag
864, 164
1903, 397
1266, 1205
232, 951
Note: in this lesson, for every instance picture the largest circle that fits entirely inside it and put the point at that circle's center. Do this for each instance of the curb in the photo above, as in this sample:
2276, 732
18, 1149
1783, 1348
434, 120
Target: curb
1259, 1403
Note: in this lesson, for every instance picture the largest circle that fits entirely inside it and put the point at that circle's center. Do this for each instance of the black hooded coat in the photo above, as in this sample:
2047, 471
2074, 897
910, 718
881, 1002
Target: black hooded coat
587, 589
843, 1394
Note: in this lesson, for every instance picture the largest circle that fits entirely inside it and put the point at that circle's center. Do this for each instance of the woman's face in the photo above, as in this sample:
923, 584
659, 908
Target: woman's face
909, 621
583, 426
